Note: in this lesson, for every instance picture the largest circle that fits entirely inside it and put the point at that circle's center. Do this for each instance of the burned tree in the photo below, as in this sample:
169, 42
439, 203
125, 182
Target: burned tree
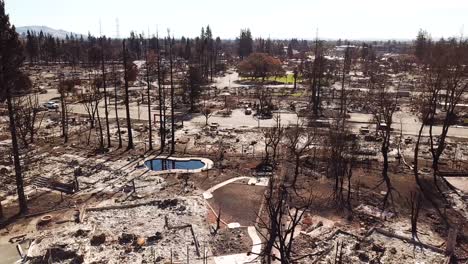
27, 110
382, 104
426, 193
65, 87
116, 84
171, 43
11, 59
149, 63
340, 149
315, 72
127, 67
265, 106
280, 223
90, 101
346, 68
298, 141
445, 81
443, 86
415, 201
162, 101
207, 113
101, 135
273, 137
106, 112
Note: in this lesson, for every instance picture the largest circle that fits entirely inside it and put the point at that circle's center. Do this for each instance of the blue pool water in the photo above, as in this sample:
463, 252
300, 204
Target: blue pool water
169, 164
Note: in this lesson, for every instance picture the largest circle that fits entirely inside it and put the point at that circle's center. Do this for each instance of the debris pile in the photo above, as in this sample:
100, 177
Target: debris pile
130, 233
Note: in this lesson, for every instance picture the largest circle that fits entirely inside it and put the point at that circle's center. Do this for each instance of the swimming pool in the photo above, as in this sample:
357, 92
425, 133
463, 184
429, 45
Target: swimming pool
172, 164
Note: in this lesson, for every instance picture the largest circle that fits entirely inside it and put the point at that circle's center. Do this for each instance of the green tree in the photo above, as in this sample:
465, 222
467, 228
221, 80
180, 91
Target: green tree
421, 44
11, 84
193, 82
245, 43
31, 46
290, 51
260, 65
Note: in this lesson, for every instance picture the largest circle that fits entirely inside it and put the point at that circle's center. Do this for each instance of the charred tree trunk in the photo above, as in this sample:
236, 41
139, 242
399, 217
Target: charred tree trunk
150, 127
64, 117
296, 169
343, 98
415, 208
101, 135
295, 79
161, 99
172, 100
163, 117
385, 176
127, 100
14, 141
117, 113
350, 175
106, 112
425, 193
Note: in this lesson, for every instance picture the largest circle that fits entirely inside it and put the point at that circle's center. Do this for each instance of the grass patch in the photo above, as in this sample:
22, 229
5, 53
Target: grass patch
298, 94
288, 79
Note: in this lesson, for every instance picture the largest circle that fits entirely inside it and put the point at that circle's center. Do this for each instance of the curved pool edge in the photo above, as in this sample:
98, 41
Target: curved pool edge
208, 164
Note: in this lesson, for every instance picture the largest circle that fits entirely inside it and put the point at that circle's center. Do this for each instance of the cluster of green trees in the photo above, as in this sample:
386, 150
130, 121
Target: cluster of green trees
45, 48
204, 50
426, 50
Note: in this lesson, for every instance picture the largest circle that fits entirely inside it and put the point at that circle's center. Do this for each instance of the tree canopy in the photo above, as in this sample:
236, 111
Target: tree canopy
260, 65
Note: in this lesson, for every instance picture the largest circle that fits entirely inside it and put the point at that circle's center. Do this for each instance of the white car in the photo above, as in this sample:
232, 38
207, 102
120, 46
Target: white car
51, 105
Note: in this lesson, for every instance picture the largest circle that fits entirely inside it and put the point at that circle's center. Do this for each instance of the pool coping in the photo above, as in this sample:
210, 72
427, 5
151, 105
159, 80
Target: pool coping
208, 164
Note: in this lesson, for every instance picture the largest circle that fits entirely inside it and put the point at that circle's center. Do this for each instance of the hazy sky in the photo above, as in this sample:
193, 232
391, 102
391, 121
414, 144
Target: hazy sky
352, 19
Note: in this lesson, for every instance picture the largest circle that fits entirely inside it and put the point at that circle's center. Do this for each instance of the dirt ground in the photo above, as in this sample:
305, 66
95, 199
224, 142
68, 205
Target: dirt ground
231, 241
238, 202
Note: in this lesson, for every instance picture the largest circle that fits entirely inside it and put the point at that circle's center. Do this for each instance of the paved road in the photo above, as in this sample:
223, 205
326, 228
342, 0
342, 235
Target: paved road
403, 119
408, 123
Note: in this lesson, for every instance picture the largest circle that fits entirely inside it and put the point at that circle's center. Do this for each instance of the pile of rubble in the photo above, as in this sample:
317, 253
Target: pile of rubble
344, 247
150, 231
323, 241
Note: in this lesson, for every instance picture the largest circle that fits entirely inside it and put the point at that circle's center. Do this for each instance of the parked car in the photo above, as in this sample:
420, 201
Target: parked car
51, 105
364, 130
263, 170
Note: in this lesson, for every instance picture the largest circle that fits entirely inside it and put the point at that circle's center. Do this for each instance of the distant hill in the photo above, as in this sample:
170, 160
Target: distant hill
58, 33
